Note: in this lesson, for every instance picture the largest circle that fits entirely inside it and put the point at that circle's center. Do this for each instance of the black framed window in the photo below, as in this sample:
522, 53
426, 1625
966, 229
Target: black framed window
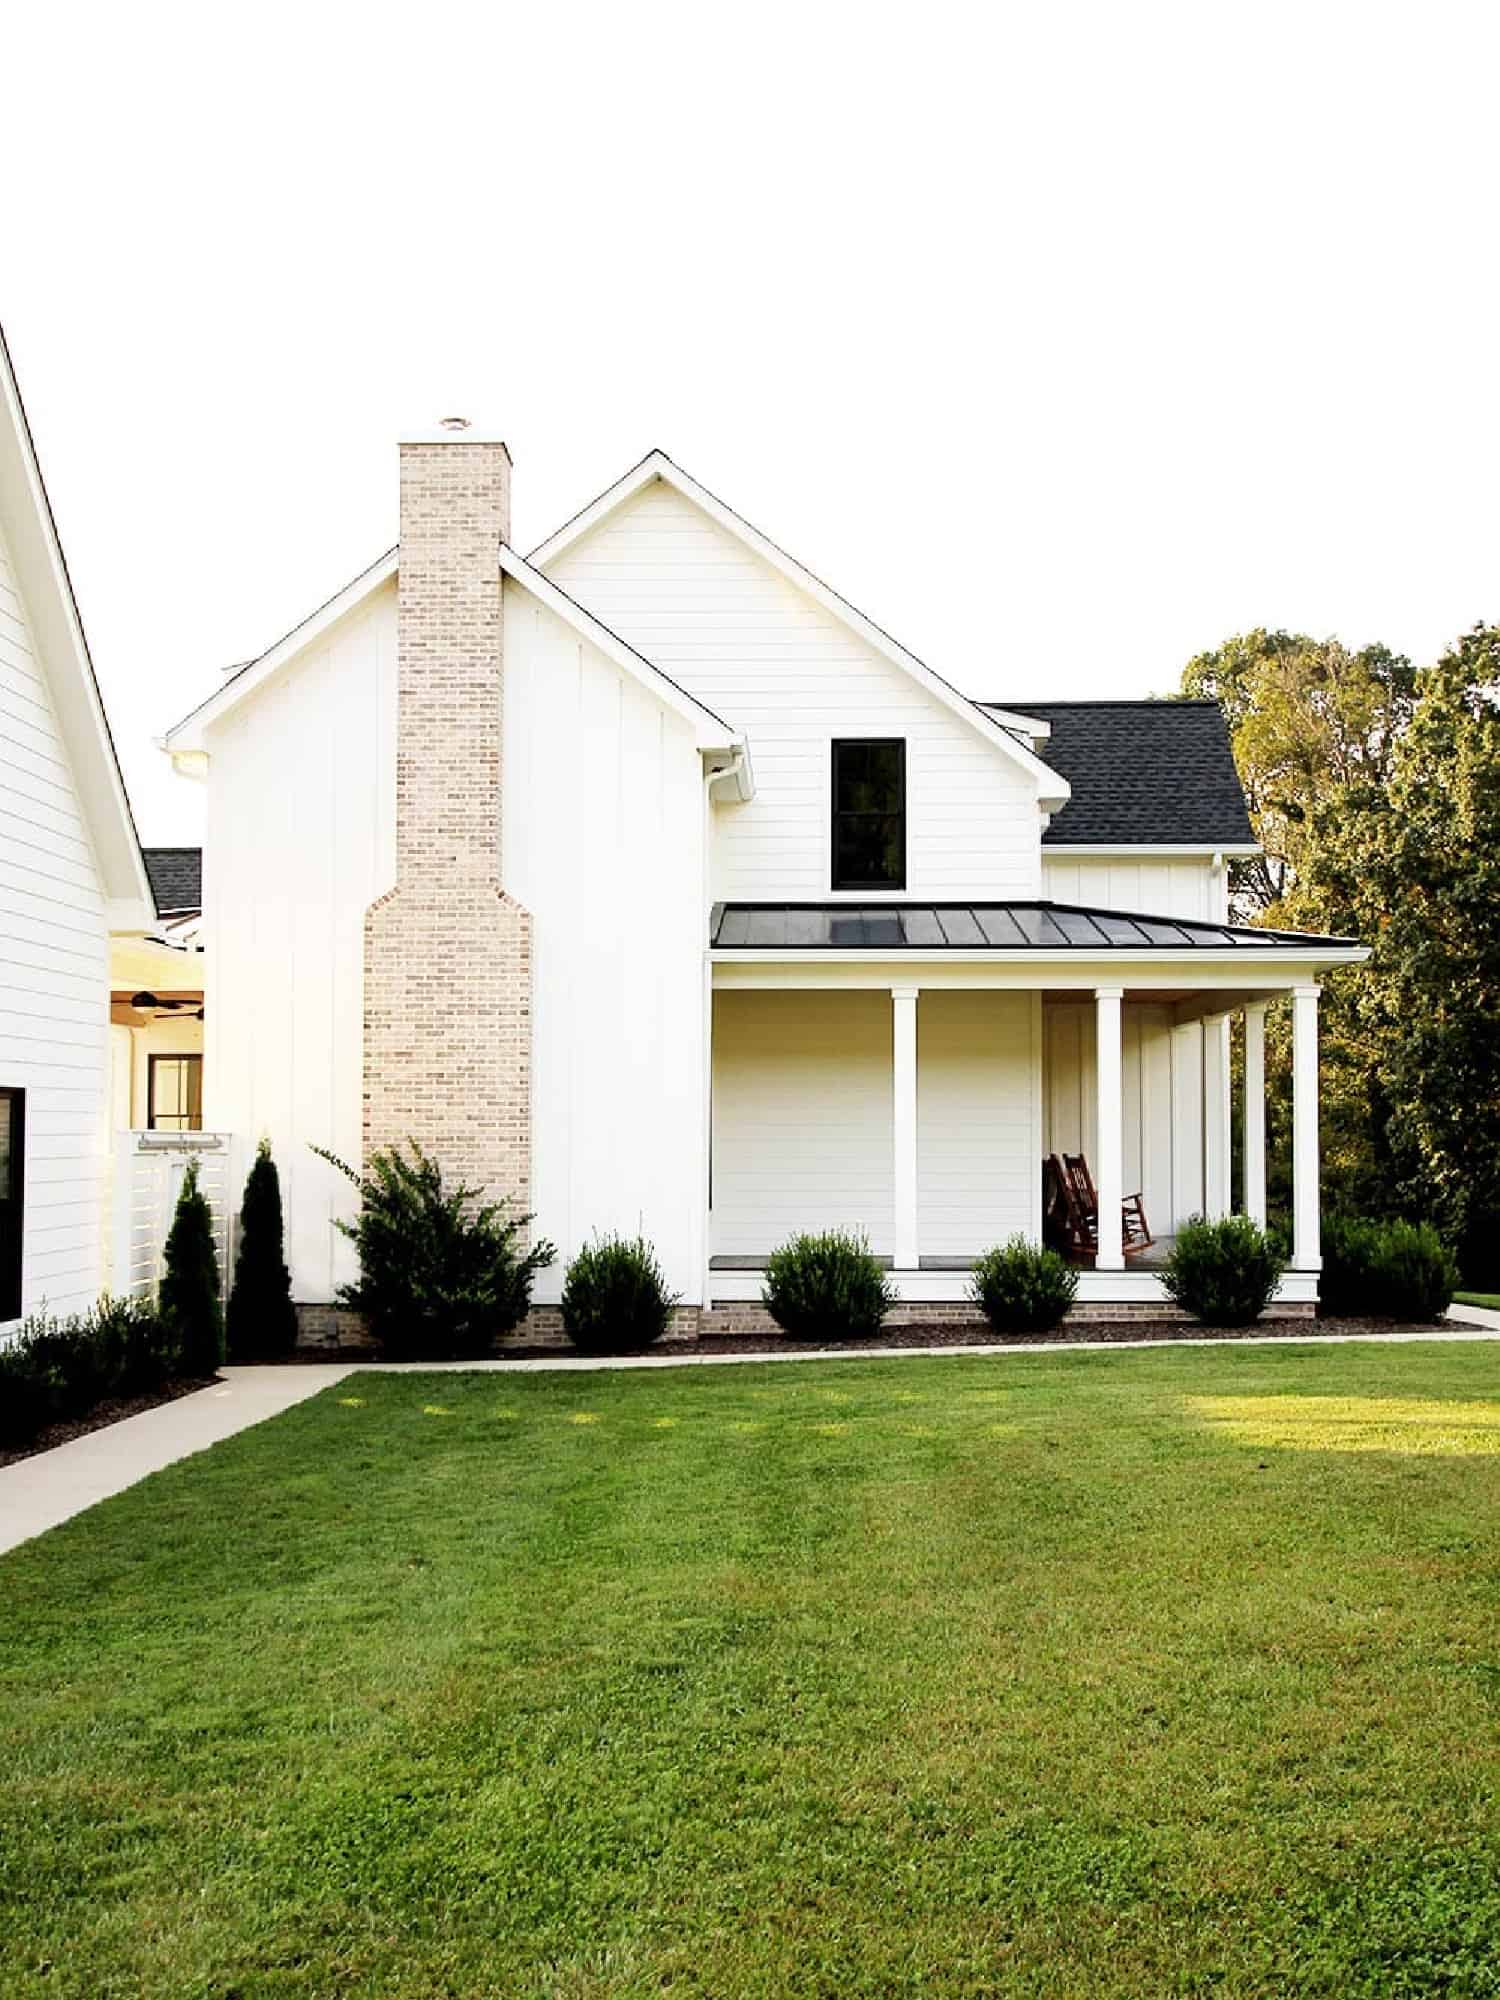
12, 1198
174, 1093
869, 813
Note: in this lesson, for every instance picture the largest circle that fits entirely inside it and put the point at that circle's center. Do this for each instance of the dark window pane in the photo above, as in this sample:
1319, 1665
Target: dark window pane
869, 815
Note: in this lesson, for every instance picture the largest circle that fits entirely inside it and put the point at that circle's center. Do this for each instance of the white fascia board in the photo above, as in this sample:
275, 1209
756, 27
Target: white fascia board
184, 739
1012, 718
1126, 850
1053, 790
1249, 962
30, 532
710, 731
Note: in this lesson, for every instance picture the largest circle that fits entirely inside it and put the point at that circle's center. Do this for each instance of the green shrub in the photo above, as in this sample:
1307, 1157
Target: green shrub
143, 1350
1385, 1270
441, 1276
1022, 1287
1418, 1272
24, 1402
615, 1298
188, 1296
260, 1322
1222, 1272
68, 1361
826, 1287
1350, 1253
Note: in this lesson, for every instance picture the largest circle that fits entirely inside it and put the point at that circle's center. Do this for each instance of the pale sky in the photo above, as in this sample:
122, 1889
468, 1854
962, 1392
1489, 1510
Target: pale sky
1064, 339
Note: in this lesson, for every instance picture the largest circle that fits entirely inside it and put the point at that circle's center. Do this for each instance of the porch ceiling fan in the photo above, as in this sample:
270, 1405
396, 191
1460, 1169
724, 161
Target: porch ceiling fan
147, 1003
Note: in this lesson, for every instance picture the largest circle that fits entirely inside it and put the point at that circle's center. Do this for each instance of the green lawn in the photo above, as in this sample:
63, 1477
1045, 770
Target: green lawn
1145, 1673
1490, 1299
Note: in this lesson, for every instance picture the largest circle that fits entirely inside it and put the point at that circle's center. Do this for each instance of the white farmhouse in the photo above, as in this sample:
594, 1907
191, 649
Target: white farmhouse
71, 875
648, 883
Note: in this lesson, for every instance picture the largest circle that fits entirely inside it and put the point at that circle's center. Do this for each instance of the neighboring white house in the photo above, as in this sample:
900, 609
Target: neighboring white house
648, 882
71, 875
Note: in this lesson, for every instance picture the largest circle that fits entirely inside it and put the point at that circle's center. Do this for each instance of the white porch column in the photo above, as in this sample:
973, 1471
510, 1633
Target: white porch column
1254, 1157
904, 1122
1216, 1146
1110, 1108
1306, 1248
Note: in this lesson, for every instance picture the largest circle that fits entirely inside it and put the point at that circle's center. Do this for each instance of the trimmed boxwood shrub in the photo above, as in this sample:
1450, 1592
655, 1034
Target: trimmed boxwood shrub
1385, 1270
826, 1287
441, 1274
1222, 1272
615, 1298
1022, 1287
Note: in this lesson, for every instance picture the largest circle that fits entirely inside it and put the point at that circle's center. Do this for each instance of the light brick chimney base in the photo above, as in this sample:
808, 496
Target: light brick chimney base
448, 1031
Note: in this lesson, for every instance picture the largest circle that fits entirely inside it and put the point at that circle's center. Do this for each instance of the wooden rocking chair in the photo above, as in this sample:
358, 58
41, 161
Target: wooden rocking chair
1134, 1228
1070, 1211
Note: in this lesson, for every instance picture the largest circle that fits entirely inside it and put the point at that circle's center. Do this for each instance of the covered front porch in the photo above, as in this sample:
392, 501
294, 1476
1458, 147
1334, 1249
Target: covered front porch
915, 1096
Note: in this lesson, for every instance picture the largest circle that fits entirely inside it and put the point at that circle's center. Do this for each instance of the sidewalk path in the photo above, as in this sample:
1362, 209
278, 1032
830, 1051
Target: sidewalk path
38, 1492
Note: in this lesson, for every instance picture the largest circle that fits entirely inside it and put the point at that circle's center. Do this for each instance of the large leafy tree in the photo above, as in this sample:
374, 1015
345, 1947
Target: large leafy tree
1310, 721
1375, 789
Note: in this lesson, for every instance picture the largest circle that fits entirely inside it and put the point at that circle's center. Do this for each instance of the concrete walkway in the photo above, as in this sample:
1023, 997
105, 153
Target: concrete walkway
52, 1486
39, 1492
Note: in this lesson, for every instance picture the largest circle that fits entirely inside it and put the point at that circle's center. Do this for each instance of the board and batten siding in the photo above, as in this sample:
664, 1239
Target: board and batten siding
1155, 885
724, 625
299, 841
54, 982
802, 1119
603, 839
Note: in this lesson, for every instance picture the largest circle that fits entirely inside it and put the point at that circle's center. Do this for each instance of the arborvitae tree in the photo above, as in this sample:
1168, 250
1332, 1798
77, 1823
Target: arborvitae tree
261, 1322
189, 1295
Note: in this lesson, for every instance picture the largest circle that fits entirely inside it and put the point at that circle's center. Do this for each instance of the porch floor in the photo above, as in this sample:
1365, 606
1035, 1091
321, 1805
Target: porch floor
1148, 1260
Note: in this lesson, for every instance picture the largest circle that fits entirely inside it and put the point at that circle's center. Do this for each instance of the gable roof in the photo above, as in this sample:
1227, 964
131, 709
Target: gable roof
176, 877
184, 737
1153, 773
1052, 786
41, 570
711, 731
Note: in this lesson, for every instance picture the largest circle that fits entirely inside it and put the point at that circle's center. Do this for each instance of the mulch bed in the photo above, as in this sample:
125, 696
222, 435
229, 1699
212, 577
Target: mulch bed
112, 1411
937, 1334
943, 1333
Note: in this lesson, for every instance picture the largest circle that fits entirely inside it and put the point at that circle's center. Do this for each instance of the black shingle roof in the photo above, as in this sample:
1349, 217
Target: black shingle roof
1040, 926
176, 878
1144, 773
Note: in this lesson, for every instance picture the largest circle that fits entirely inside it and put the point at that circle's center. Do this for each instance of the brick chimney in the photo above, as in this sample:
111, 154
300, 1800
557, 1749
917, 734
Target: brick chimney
447, 954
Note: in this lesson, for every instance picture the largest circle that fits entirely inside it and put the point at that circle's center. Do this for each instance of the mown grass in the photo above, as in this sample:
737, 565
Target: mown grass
1147, 1673
1489, 1299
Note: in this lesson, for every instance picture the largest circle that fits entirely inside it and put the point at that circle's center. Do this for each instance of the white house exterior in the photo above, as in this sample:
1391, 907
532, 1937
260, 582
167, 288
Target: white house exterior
71, 874
567, 866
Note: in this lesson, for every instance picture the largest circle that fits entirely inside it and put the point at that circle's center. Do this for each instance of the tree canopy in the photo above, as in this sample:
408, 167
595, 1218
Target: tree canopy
1375, 789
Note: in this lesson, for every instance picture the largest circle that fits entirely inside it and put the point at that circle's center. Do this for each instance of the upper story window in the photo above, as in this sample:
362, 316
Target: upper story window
869, 813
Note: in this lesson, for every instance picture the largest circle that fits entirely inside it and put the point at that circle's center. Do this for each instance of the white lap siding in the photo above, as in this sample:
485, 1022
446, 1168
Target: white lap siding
978, 1147
54, 978
716, 618
801, 1118
802, 1125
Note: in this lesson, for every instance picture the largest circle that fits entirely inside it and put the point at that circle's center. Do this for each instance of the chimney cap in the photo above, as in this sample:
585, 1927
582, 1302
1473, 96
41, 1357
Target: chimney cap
452, 430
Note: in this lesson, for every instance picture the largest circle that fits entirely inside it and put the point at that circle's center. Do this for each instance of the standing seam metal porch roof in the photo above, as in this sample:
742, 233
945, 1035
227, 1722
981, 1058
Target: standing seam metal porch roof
1038, 926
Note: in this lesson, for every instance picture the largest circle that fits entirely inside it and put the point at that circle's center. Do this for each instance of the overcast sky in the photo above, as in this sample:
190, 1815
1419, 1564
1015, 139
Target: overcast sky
1065, 340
